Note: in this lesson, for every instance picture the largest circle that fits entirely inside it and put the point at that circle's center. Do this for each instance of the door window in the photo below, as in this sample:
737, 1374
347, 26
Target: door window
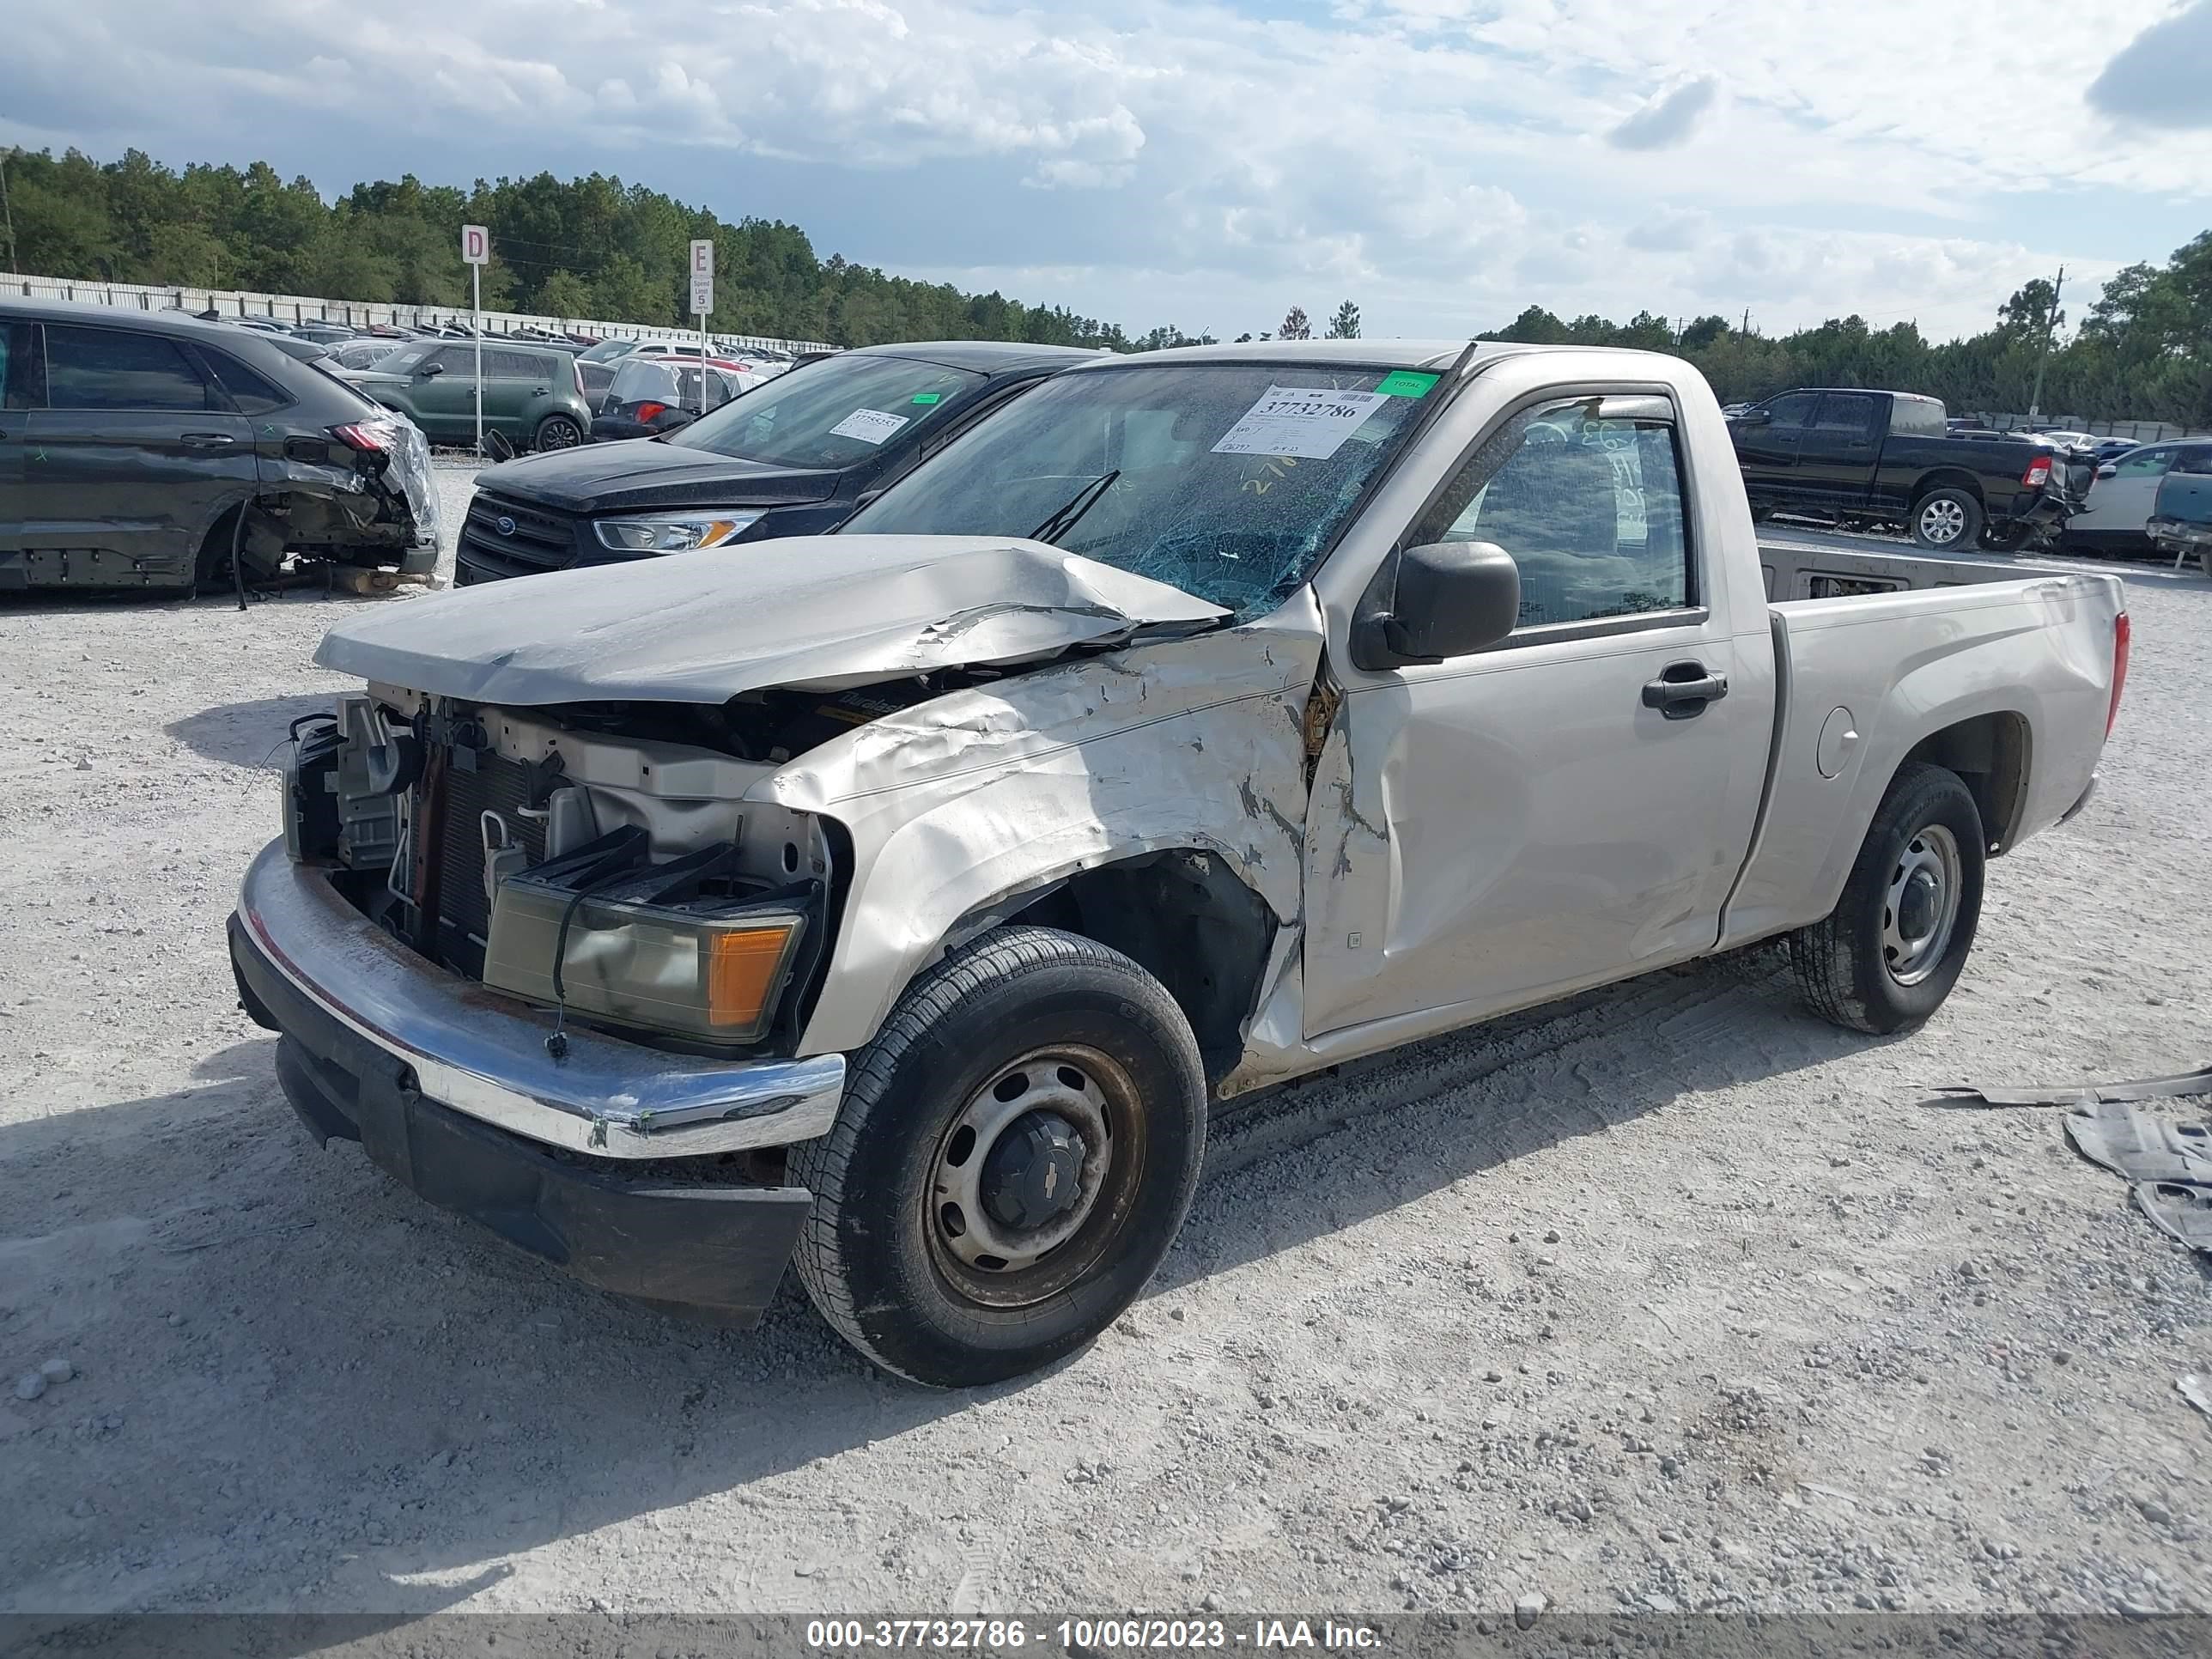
1792, 409
1846, 415
1916, 417
251, 393
116, 368
1588, 503
20, 378
2143, 464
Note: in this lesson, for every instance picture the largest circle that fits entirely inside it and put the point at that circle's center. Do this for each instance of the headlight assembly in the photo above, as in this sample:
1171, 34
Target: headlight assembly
676, 948
675, 532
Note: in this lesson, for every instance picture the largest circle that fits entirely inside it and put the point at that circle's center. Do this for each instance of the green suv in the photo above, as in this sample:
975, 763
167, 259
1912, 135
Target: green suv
532, 395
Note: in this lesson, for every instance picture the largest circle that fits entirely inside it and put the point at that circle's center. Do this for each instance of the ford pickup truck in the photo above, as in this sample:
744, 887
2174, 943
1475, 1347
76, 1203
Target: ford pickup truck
1887, 458
903, 901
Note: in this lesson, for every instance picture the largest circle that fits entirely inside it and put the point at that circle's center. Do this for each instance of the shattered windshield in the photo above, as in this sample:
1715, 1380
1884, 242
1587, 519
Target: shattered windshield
1226, 480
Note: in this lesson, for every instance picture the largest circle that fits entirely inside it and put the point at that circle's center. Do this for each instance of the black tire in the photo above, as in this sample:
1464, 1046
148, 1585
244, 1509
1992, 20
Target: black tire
881, 1256
557, 432
1848, 964
1947, 519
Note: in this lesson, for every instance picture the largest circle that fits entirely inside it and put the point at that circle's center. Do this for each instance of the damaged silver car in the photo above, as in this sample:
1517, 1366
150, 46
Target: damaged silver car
154, 450
903, 902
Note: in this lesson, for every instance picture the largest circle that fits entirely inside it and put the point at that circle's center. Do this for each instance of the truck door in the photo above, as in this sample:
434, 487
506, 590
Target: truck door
1569, 806
1836, 457
1767, 448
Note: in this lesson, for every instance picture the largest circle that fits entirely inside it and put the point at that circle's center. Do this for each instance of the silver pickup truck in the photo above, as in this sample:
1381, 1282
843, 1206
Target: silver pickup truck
903, 901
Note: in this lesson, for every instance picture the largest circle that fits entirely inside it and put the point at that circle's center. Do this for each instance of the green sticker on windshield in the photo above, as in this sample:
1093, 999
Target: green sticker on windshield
925, 396
1406, 383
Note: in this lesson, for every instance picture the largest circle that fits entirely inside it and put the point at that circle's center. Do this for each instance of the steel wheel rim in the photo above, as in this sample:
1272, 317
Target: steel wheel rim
560, 433
980, 1255
1942, 521
1920, 904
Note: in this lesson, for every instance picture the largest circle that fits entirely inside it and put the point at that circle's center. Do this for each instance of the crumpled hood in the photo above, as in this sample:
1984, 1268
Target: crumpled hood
816, 613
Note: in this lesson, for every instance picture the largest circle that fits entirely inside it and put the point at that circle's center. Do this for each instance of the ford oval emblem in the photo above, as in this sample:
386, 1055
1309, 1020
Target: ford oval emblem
506, 525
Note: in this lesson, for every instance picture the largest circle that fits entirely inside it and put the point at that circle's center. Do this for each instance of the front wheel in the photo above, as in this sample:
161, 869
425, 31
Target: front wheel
558, 432
1015, 1152
1886, 956
1946, 518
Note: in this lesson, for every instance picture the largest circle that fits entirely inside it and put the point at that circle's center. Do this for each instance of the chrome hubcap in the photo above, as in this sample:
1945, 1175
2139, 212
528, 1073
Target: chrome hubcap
1920, 906
1022, 1168
1942, 521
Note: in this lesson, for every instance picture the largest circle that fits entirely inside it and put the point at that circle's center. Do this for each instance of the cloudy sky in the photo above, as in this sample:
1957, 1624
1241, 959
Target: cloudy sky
1442, 162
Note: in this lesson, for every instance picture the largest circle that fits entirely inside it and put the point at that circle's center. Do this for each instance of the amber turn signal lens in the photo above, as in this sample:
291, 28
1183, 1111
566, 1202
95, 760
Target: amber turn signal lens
741, 969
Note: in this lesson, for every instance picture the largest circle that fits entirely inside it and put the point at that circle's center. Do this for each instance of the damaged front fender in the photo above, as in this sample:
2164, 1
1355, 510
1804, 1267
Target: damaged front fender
956, 804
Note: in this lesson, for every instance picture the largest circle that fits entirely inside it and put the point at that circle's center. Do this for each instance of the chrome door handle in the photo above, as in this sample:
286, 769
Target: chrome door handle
208, 440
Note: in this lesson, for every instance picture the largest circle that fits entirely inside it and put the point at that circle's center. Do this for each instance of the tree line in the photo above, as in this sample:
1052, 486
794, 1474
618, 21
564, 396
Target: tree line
592, 247
597, 247
2141, 352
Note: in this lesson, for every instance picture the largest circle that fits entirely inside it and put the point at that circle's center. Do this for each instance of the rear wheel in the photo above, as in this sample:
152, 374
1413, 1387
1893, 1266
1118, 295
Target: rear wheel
1014, 1154
557, 432
1946, 518
211, 571
1886, 956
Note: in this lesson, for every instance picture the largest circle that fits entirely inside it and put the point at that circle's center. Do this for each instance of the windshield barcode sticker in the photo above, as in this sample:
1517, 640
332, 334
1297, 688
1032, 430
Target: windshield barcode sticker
1311, 423
869, 426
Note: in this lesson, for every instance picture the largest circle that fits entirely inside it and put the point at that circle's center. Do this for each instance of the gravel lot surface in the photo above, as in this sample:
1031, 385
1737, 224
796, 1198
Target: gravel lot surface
1671, 1297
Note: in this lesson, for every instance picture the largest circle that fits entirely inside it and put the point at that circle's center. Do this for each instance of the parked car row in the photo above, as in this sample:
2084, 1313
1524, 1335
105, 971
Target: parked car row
1859, 456
793, 456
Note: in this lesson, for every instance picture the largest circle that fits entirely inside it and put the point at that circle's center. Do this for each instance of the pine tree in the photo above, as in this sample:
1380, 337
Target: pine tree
1344, 325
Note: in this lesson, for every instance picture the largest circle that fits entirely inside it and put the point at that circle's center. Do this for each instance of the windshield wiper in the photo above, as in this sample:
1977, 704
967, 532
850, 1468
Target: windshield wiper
1080, 503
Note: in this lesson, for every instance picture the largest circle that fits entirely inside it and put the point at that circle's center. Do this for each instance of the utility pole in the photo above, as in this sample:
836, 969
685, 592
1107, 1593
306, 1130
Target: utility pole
1747, 320
2050, 328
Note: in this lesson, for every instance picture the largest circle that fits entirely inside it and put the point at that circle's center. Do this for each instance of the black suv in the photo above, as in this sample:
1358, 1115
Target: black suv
129, 443
793, 456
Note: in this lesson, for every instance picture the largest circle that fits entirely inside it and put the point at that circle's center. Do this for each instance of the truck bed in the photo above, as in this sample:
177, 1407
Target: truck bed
1799, 570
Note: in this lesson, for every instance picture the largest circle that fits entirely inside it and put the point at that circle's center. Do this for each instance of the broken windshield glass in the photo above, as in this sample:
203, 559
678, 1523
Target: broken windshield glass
1227, 480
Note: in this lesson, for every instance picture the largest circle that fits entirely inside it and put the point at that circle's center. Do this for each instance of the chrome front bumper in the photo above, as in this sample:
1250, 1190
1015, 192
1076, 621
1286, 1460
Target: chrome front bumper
484, 1055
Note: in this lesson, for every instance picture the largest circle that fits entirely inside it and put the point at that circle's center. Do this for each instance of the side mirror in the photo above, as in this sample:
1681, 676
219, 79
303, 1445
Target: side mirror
1755, 417
671, 419
430, 370
1437, 600
2108, 470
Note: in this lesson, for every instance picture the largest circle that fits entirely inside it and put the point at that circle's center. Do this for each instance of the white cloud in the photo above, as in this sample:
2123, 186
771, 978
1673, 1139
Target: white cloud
1445, 162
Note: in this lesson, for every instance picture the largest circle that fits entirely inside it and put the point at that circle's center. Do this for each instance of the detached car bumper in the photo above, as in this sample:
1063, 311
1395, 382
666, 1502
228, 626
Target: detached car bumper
448, 1087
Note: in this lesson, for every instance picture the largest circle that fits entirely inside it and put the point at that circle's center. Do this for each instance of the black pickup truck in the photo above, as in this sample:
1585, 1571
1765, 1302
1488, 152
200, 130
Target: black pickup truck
1886, 458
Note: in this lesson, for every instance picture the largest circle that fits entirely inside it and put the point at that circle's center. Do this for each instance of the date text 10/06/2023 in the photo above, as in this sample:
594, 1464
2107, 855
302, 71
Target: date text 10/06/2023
1093, 1635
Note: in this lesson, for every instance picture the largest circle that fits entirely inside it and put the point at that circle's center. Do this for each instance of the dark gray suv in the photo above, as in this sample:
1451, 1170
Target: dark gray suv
137, 449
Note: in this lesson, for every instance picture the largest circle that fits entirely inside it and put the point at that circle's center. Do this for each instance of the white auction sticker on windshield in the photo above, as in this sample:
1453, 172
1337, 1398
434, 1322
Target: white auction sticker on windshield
869, 426
1308, 422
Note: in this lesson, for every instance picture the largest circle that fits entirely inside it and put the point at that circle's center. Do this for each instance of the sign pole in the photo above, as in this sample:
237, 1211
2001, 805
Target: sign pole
475, 251
476, 295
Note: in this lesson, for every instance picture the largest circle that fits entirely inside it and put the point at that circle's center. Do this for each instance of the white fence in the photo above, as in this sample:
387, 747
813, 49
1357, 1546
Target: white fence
355, 313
